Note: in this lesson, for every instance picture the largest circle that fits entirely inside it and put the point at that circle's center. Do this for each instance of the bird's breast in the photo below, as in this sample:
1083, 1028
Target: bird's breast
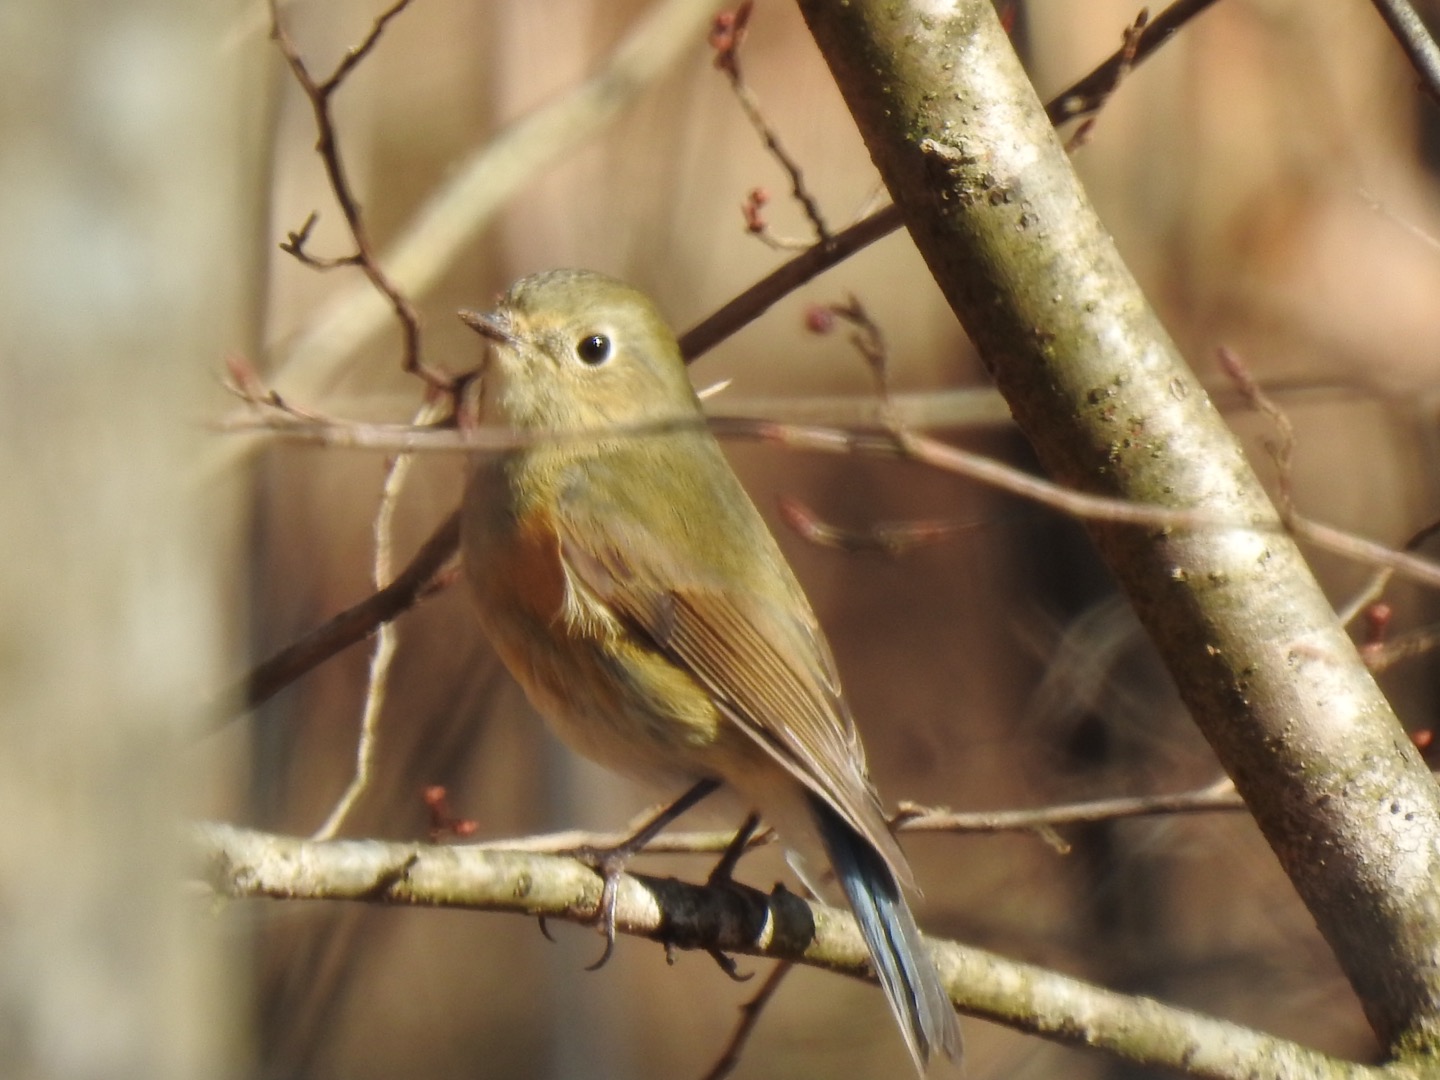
608, 692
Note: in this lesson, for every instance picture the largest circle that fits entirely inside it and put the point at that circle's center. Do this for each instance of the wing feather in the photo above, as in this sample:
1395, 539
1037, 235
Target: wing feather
759, 652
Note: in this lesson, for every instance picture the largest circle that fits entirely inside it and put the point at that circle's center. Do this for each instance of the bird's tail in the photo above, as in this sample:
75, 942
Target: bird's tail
906, 972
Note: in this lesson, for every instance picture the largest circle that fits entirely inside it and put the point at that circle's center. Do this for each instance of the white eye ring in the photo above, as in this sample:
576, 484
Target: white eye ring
594, 349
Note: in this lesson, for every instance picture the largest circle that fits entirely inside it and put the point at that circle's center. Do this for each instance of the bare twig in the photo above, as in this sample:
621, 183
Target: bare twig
785, 279
1374, 589
386, 641
1091, 92
1321, 535
319, 93
726, 35
1360, 550
1130, 44
1383, 655
1283, 450
750, 1014
1219, 796
868, 340
886, 538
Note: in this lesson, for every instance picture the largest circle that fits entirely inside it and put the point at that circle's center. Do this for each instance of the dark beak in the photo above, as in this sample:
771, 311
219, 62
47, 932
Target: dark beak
490, 325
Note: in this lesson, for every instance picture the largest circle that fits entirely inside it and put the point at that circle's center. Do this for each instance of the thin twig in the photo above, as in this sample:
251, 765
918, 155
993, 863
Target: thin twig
1283, 450
726, 35
890, 538
386, 639
785, 279
1321, 535
1374, 589
1381, 656
1090, 93
750, 1014
1219, 796
1130, 44
868, 340
319, 93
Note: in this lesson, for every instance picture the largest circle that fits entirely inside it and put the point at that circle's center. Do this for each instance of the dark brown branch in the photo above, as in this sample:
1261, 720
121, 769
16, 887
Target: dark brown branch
1077, 100
1129, 44
423, 575
1090, 93
890, 538
785, 279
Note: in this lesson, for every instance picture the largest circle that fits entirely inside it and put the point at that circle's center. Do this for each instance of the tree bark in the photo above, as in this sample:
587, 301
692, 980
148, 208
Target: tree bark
1097, 386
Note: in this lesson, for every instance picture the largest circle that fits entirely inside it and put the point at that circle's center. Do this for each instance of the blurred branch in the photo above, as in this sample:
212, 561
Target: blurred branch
383, 655
1410, 31
890, 538
838, 440
733, 919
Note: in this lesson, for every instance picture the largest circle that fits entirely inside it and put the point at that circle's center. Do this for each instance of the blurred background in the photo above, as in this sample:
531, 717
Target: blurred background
1269, 175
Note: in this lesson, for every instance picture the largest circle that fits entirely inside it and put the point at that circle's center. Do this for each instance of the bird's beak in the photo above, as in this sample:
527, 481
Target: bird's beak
490, 325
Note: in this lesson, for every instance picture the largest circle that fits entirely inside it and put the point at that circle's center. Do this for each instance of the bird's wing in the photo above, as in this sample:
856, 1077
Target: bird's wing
766, 664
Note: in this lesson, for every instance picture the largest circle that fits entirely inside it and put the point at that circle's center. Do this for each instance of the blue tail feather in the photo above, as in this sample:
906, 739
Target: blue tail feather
906, 972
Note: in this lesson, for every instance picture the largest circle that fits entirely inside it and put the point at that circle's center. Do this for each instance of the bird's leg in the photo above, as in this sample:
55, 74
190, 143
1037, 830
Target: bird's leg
610, 862
724, 870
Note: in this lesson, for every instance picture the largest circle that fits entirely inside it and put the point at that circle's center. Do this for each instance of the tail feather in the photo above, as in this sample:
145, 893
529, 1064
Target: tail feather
906, 972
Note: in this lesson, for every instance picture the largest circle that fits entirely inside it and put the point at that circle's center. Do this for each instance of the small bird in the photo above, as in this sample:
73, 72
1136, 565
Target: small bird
632, 588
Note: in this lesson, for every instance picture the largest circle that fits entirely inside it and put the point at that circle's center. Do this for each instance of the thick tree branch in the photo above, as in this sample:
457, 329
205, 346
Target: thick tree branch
1101, 392
245, 864
1410, 31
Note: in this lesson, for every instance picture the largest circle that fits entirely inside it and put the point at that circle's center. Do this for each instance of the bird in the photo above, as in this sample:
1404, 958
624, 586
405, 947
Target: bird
633, 589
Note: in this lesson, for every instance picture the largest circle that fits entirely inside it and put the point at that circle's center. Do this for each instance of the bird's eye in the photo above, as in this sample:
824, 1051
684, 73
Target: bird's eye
594, 349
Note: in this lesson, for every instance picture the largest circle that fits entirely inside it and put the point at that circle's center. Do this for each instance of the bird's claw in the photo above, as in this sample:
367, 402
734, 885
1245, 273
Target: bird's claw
610, 864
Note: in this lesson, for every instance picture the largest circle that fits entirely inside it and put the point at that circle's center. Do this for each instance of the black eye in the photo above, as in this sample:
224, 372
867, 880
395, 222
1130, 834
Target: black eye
594, 349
